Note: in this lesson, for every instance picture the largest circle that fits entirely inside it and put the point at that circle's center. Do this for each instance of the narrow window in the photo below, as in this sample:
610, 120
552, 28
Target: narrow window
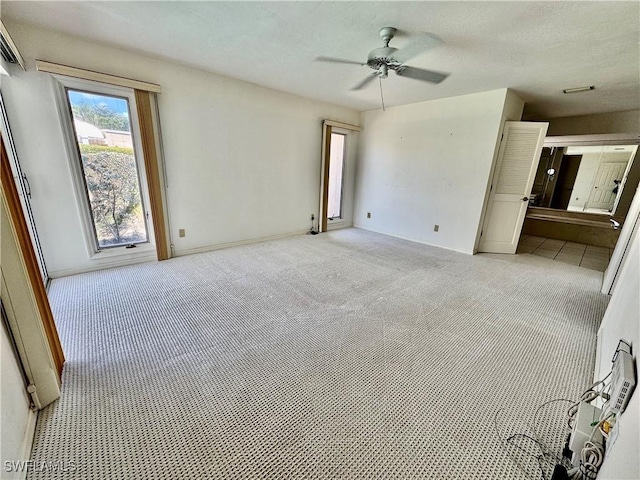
110, 167
336, 175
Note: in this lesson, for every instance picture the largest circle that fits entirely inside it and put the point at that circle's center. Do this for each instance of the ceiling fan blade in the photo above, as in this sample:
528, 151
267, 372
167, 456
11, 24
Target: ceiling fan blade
366, 81
337, 60
421, 74
419, 44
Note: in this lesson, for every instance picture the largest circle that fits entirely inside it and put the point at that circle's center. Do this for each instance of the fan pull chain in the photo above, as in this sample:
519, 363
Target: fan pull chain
381, 96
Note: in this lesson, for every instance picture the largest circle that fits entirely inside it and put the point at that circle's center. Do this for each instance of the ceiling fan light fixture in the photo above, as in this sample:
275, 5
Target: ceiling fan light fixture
579, 89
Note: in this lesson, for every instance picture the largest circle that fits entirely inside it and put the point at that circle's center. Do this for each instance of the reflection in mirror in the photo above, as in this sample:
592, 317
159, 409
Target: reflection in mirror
584, 178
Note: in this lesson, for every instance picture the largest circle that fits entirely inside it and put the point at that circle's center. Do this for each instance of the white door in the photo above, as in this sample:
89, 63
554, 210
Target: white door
632, 158
602, 194
511, 185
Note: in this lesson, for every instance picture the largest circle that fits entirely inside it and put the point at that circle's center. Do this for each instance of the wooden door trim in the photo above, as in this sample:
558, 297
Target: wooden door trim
150, 154
30, 261
346, 126
326, 132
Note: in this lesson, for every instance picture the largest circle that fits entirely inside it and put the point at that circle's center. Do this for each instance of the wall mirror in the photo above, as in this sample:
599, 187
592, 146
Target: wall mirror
589, 178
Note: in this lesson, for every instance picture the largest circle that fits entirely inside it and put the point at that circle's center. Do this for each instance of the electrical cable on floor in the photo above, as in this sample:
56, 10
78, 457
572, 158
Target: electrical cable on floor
591, 459
537, 411
588, 396
542, 456
591, 456
312, 230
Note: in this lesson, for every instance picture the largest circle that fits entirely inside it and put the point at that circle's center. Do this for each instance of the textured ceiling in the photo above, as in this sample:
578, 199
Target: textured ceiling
535, 48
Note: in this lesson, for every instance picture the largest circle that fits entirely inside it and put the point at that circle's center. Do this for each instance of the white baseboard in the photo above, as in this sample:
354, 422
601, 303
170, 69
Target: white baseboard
176, 253
103, 265
466, 252
219, 246
25, 449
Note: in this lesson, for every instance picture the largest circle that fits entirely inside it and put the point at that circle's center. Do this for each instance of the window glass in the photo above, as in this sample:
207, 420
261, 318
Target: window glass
102, 127
336, 171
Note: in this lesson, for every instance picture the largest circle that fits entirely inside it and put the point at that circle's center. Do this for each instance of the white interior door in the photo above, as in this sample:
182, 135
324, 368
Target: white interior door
623, 184
602, 195
513, 178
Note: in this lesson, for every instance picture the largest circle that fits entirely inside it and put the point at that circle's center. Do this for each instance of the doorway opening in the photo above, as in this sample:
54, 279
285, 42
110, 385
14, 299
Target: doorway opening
581, 197
336, 176
337, 180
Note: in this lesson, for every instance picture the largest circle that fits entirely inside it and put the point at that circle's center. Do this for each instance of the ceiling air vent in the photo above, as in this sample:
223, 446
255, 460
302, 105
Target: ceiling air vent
8, 49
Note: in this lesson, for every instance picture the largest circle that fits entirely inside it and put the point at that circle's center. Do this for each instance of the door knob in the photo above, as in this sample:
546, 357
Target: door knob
525, 199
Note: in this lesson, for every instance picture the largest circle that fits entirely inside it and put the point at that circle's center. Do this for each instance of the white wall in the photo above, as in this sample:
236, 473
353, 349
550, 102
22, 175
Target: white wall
430, 163
610, 122
622, 321
242, 161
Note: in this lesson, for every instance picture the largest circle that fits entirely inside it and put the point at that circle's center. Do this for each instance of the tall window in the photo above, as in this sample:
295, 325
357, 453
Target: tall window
336, 174
110, 167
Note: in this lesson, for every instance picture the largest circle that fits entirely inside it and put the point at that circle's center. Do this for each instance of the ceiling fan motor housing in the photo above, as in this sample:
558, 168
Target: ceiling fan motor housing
388, 58
381, 59
382, 56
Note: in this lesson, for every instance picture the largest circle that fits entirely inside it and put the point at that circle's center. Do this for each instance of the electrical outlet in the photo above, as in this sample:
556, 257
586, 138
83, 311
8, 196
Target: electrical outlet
181, 232
436, 228
368, 214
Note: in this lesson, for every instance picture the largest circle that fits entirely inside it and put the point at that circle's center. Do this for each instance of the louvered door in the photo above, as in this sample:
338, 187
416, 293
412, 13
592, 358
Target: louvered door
512, 182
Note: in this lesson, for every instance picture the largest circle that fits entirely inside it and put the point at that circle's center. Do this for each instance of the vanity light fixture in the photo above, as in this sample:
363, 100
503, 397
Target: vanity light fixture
551, 172
579, 89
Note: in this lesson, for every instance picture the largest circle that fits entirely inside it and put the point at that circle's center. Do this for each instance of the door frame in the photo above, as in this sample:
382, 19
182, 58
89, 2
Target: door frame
29, 260
327, 128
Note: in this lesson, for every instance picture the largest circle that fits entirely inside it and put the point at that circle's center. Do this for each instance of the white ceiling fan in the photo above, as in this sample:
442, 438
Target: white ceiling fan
386, 58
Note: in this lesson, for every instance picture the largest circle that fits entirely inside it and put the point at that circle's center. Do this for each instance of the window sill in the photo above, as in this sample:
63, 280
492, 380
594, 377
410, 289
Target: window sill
119, 253
337, 224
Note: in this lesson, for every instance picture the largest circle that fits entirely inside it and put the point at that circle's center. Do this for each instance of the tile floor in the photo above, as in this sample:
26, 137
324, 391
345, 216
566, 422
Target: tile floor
587, 256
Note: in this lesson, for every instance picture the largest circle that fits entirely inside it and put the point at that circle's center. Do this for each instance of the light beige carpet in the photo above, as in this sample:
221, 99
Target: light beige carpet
342, 355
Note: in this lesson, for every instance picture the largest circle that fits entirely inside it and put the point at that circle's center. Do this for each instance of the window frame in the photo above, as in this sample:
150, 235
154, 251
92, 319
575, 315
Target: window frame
62, 85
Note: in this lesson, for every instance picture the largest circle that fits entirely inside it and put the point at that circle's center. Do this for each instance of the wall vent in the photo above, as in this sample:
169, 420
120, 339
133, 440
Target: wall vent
8, 49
